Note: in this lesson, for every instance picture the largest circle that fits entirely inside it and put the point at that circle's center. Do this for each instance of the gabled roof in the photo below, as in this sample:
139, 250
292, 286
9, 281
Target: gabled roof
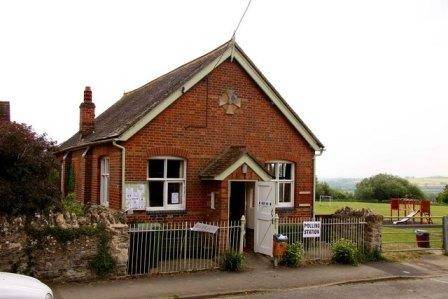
228, 161
138, 107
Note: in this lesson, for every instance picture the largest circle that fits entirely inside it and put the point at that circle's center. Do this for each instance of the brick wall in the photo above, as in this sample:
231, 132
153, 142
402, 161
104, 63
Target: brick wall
197, 129
183, 130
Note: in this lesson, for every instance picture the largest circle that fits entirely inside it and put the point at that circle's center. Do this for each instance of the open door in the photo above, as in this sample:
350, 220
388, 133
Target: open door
264, 217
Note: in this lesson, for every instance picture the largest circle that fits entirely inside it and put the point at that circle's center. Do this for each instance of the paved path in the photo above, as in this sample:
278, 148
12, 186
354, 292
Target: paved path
397, 289
260, 278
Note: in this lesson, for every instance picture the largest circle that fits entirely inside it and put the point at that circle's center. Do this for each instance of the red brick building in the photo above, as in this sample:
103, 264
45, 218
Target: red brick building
210, 140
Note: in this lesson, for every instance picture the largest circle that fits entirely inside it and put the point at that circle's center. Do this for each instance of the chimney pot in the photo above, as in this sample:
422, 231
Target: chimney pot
87, 94
4, 111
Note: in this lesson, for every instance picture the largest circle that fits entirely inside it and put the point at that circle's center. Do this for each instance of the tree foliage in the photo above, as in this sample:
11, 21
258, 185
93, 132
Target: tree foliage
442, 197
386, 186
322, 188
28, 172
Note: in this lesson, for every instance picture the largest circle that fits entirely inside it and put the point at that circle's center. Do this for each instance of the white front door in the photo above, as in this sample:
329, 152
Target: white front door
264, 216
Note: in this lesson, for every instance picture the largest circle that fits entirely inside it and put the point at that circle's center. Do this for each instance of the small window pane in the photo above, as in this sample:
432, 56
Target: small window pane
174, 193
156, 168
284, 192
175, 169
284, 171
271, 168
156, 194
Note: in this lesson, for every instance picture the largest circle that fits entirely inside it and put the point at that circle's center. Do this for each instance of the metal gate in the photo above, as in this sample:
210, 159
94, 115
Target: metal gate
412, 235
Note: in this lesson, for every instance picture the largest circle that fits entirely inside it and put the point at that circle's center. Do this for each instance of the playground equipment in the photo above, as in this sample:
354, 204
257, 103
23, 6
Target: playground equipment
411, 209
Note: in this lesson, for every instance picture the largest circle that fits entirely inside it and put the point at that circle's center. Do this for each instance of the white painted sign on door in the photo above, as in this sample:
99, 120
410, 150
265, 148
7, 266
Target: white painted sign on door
311, 229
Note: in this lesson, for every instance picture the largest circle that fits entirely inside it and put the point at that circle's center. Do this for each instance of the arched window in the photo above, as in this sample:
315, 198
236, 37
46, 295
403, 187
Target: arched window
283, 173
166, 180
104, 181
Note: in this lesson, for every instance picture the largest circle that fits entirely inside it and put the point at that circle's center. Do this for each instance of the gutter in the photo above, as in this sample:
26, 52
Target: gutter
83, 145
321, 151
123, 171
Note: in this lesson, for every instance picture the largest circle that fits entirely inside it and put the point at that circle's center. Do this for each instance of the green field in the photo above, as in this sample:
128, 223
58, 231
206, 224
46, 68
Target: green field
393, 238
326, 208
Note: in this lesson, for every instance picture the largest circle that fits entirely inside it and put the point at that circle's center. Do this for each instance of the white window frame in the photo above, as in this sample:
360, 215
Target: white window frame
277, 181
104, 181
166, 180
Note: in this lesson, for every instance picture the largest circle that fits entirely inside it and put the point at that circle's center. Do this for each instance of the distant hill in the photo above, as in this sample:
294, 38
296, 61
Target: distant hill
430, 185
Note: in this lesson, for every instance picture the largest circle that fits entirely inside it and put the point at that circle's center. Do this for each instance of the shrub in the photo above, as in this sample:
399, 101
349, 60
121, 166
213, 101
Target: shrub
28, 171
70, 205
293, 255
345, 252
232, 261
103, 263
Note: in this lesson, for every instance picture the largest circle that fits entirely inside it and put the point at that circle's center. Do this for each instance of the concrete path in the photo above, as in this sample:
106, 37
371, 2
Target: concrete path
397, 289
259, 278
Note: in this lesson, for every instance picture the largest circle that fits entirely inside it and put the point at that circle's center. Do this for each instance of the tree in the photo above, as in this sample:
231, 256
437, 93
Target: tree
386, 186
442, 197
28, 172
323, 188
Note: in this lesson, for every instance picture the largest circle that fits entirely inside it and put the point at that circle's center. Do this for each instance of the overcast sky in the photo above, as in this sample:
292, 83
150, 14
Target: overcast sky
370, 78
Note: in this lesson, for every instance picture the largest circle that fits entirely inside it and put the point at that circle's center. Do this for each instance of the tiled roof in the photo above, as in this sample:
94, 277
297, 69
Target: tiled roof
137, 103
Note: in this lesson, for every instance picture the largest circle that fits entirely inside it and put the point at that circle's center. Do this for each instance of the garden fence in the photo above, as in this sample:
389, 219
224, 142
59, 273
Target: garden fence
176, 247
332, 229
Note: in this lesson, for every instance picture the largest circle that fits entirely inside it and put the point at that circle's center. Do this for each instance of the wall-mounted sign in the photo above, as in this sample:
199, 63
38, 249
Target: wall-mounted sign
174, 198
311, 229
136, 195
202, 227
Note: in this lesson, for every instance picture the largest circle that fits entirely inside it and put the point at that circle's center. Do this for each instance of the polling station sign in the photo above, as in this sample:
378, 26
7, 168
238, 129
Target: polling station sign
311, 229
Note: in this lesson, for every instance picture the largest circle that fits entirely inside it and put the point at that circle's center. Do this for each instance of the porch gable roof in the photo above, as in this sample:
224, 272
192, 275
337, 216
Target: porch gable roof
227, 162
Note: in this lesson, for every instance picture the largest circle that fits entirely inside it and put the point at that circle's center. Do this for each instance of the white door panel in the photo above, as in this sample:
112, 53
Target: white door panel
264, 215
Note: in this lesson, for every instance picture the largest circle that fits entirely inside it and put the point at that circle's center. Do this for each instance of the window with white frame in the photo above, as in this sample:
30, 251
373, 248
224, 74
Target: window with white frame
166, 180
283, 173
104, 181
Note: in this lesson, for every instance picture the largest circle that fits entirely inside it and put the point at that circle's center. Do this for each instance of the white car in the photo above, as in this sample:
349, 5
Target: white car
16, 286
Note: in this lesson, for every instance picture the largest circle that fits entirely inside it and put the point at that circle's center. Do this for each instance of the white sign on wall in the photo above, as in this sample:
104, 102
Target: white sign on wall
202, 227
311, 229
136, 196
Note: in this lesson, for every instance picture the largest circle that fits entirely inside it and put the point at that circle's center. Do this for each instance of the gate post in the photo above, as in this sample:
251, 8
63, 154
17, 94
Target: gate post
445, 234
275, 224
242, 233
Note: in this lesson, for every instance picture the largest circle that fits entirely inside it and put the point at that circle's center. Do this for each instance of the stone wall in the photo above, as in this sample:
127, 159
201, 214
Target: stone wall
372, 229
53, 260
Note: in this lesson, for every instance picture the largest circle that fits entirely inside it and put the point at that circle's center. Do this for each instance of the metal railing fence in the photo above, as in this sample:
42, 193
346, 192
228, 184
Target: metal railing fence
332, 229
412, 235
174, 247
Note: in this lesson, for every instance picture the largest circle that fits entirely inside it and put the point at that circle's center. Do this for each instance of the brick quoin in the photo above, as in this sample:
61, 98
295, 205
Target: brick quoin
197, 129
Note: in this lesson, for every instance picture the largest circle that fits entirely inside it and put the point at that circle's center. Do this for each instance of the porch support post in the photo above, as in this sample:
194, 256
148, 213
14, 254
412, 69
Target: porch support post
242, 233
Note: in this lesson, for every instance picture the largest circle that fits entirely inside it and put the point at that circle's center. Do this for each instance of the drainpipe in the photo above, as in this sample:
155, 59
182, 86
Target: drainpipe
63, 174
123, 163
314, 180
85, 172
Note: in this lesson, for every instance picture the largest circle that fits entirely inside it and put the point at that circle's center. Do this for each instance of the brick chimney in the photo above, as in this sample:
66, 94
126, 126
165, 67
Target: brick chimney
4, 111
87, 114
